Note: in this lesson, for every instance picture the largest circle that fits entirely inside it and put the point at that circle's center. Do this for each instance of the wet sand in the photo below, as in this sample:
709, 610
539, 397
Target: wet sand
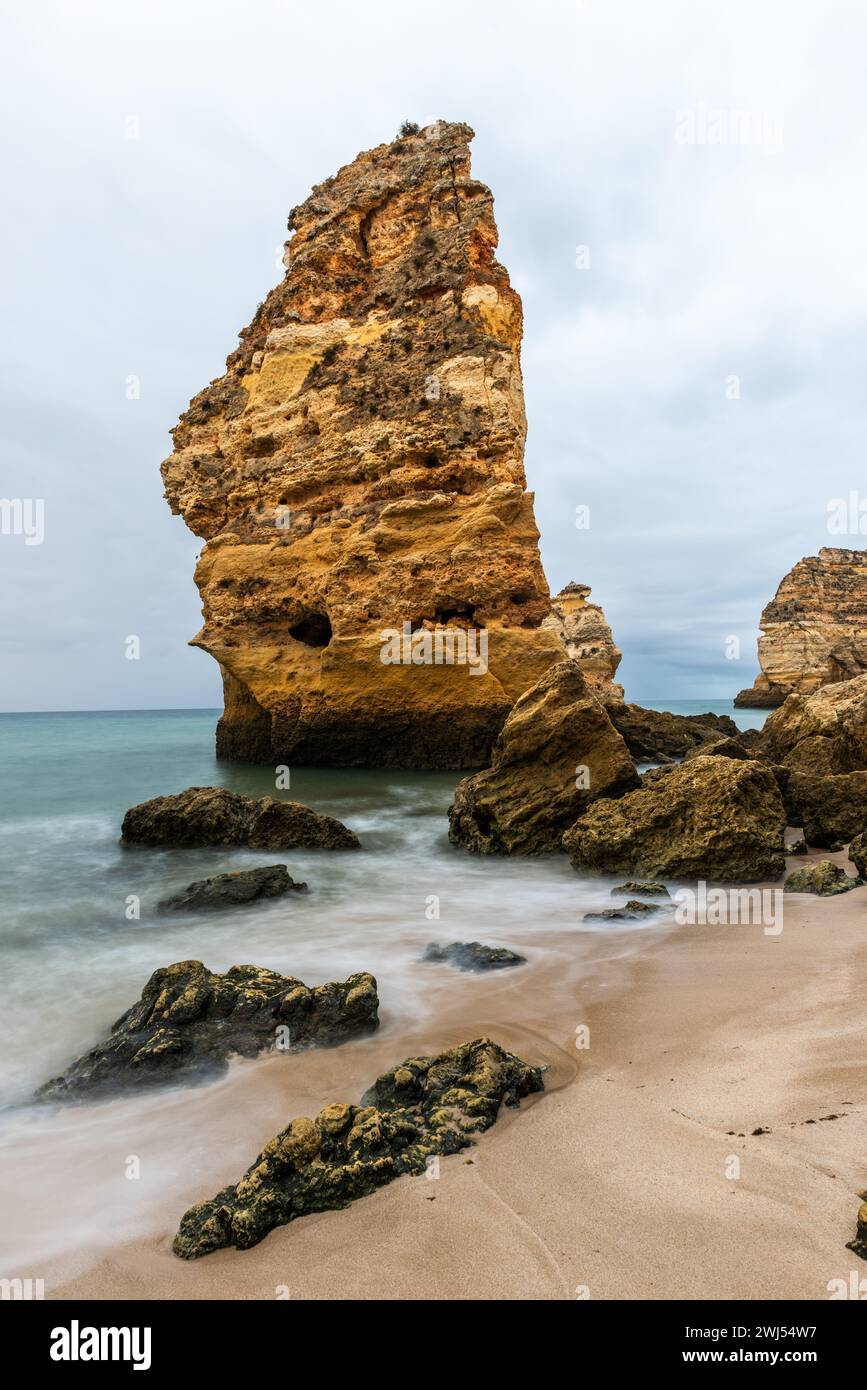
617, 1183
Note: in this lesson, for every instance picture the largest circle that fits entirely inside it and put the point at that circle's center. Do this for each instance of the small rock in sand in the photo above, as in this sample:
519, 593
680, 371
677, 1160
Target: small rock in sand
823, 878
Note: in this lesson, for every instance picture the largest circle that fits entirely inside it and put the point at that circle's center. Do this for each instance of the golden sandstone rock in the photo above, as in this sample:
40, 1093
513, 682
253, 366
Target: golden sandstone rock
585, 634
371, 580
814, 630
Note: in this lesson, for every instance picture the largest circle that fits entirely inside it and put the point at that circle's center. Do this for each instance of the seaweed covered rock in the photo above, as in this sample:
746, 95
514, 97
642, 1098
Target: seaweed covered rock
233, 890
709, 818
824, 879
557, 752
629, 912
648, 887
831, 810
858, 854
472, 955
215, 816
427, 1106
189, 1021
657, 735
823, 734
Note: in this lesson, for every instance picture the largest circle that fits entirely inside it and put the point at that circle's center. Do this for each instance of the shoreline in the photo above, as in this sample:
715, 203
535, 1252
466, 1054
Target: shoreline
614, 1179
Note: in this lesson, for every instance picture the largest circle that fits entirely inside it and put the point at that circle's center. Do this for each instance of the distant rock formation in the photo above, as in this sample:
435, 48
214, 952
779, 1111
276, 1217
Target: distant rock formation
814, 630
357, 475
584, 632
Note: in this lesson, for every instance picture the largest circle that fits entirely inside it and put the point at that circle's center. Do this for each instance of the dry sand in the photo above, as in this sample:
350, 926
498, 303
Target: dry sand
616, 1181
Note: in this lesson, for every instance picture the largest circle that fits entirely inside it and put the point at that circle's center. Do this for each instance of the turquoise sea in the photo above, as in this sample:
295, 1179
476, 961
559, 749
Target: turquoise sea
74, 959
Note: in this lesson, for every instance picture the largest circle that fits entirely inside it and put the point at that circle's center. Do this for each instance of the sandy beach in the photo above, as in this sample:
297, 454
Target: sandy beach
618, 1181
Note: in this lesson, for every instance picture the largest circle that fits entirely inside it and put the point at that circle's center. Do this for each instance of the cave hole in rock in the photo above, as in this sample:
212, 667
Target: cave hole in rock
465, 613
314, 629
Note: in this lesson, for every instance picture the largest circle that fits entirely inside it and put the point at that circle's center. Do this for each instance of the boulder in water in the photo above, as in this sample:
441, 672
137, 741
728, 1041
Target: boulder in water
234, 890
189, 1021
472, 955
203, 816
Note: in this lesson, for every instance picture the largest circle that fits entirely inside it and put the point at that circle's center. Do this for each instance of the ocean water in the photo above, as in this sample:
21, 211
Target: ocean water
72, 960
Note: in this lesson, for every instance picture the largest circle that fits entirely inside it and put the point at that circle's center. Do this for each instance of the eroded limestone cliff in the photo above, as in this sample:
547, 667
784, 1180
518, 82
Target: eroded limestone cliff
358, 471
814, 631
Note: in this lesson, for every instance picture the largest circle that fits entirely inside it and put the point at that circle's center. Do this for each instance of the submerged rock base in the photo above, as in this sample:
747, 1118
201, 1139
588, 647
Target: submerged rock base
215, 816
427, 1107
473, 955
234, 889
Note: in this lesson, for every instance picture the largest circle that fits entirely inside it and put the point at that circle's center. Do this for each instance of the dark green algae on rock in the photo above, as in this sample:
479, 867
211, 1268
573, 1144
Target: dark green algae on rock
426, 1106
233, 889
202, 816
190, 1021
473, 955
822, 878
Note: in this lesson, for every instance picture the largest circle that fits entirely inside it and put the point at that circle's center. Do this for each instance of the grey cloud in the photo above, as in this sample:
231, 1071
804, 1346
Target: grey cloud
146, 256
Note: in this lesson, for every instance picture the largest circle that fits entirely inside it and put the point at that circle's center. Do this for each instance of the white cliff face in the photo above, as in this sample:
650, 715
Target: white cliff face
584, 632
814, 631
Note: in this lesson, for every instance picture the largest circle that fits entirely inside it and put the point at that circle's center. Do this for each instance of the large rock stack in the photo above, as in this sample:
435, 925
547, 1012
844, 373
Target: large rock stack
358, 471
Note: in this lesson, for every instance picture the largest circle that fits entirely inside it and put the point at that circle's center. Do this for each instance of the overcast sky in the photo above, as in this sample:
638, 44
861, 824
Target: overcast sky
699, 385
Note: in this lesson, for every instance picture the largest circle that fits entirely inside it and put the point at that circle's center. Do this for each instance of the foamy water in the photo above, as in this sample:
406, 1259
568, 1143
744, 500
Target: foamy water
73, 962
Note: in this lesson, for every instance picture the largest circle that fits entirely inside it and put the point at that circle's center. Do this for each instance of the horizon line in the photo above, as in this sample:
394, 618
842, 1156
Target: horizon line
217, 709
